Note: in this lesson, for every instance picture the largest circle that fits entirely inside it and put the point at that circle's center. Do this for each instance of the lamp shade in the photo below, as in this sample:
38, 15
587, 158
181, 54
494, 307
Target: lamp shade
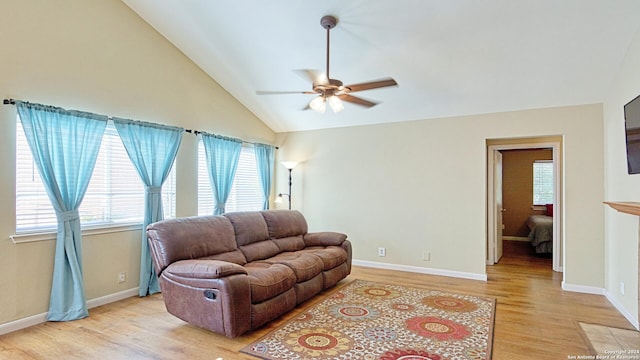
336, 104
318, 104
289, 164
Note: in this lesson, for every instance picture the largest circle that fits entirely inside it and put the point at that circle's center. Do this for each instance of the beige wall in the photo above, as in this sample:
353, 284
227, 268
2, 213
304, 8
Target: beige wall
421, 186
621, 251
100, 57
517, 188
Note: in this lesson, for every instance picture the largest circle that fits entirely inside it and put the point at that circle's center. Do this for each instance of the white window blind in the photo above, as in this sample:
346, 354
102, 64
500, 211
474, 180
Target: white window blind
245, 195
542, 182
115, 194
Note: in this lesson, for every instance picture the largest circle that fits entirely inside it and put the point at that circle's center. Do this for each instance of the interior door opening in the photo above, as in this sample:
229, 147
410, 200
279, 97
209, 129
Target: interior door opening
496, 208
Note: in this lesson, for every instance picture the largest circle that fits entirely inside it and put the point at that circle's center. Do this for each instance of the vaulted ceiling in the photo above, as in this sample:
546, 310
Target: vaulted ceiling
449, 57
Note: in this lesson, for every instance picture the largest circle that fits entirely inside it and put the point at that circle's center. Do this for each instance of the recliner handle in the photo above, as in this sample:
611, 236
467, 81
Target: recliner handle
210, 294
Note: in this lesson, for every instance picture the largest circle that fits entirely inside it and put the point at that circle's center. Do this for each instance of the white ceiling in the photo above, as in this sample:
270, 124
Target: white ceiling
449, 57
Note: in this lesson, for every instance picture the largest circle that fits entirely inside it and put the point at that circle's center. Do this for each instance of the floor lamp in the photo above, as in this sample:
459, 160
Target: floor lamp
289, 165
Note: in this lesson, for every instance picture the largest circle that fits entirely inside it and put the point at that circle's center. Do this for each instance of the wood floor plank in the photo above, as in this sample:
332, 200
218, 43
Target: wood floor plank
535, 319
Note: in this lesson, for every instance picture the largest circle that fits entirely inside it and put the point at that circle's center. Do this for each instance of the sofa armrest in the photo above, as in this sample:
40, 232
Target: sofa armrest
222, 305
204, 269
325, 238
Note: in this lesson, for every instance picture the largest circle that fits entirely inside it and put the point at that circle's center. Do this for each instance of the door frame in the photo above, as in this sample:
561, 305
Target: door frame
558, 243
496, 216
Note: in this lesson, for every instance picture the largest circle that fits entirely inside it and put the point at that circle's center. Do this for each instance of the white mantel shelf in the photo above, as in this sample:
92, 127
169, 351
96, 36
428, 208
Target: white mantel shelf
629, 207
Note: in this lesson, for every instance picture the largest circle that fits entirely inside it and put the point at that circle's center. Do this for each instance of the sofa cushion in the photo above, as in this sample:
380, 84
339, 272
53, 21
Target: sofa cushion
268, 280
260, 250
190, 238
284, 223
249, 227
305, 266
291, 243
331, 256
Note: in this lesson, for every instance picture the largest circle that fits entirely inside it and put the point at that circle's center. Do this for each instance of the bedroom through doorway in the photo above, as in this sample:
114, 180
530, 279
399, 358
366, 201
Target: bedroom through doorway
523, 200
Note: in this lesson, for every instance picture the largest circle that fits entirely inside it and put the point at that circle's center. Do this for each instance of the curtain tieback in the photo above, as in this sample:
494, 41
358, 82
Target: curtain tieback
153, 189
68, 215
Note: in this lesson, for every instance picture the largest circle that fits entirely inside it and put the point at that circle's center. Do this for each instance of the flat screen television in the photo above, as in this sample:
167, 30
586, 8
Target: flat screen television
632, 132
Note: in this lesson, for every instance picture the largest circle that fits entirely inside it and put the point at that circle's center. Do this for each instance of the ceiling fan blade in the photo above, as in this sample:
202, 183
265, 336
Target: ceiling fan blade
357, 100
282, 92
315, 76
371, 85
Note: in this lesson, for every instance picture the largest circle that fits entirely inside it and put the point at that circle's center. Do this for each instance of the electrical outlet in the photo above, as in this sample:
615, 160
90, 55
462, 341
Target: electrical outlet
622, 287
382, 252
122, 277
426, 256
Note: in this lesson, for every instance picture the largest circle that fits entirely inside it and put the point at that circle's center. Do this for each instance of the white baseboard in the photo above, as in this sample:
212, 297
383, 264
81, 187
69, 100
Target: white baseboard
107, 299
582, 289
41, 318
421, 270
633, 320
515, 238
22, 323
600, 291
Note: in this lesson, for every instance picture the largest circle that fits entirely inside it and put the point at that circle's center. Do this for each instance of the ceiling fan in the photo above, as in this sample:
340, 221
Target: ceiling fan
330, 90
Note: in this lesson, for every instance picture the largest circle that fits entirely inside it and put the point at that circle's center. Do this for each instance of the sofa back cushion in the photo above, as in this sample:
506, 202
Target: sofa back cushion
291, 243
190, 238
284, 223
249, 227
252, 235
260, 250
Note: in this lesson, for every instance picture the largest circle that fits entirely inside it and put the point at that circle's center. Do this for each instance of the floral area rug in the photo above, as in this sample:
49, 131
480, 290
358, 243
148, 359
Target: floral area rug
369, 320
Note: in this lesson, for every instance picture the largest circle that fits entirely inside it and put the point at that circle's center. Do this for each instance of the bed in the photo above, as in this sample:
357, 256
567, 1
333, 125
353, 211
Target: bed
541, 233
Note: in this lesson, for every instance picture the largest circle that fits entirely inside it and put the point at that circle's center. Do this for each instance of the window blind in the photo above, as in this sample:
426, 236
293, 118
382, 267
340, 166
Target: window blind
115, 194
542, 182
245, 192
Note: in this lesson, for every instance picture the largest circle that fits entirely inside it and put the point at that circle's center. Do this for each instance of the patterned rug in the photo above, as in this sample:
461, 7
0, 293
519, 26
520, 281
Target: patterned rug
368, 320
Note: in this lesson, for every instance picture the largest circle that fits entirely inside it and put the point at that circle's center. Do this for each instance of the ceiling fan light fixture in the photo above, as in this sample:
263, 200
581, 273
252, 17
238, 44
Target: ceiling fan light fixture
336, 104
318, 104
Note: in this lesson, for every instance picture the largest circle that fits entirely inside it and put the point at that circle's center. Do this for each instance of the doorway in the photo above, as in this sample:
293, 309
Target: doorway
495, 209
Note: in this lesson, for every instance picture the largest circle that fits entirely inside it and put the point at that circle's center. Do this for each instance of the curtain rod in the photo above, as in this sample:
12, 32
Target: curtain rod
194, 132
13, 102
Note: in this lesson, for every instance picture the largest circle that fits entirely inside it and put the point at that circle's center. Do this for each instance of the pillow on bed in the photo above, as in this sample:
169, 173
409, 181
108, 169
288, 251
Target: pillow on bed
549, 209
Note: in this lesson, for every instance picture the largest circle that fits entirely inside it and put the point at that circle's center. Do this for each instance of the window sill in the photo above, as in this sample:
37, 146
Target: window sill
51, 235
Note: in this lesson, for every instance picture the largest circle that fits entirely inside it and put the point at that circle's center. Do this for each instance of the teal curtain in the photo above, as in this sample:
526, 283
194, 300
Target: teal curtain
65, 146
223, 154
152, 149
264, 162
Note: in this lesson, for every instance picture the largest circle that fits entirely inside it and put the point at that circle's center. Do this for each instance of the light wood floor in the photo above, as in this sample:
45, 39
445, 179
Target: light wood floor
535, 319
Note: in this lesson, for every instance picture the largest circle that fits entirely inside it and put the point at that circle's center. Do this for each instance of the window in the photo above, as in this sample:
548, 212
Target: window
115, 195
245, 195
542, 182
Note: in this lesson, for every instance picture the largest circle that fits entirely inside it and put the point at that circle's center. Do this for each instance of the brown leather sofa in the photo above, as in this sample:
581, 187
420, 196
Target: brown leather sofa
235, 272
